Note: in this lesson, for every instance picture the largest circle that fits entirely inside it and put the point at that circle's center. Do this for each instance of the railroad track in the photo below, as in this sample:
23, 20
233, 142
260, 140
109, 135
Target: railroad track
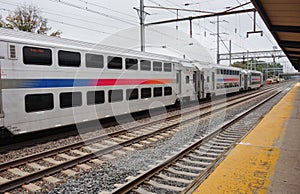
75, 155
186, 169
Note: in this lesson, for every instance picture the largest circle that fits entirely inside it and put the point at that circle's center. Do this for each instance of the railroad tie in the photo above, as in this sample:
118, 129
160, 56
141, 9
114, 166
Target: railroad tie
119, 152
32, 188
52, 161
136, 145
116, 140
159, 137
152, 139
65, 156
109, 157
175, 179
189, 167
79, 152
142, 191
207, 154
129, 148
104, 192
166, 187
100, 146
36, 166
18, 172
111, 143
89, 149
84, 166
69, 172
97, 161
172, 170
3, 180
145, 142
125, 137
51, 179
195, 162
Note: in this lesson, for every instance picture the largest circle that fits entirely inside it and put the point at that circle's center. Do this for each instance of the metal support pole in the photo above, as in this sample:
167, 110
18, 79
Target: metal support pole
229, 53
177, 18
218, 41
142, 24
191, 29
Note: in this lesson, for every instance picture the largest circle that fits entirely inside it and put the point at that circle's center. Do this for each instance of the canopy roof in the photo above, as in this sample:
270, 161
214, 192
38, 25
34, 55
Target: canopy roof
282, 17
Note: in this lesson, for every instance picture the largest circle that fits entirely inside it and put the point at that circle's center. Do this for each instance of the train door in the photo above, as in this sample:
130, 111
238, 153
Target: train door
178, 81
195, 83
1, 108
200, 85
241, 81
213, 81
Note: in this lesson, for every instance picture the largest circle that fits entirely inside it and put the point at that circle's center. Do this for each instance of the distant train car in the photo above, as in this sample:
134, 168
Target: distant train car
255, 79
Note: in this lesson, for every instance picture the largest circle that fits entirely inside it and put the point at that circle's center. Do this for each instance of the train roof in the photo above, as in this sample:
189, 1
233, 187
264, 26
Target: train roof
210, 66
254, 71
10, 35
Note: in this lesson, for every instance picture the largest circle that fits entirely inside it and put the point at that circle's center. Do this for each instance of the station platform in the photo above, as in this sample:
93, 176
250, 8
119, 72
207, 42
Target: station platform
267, 160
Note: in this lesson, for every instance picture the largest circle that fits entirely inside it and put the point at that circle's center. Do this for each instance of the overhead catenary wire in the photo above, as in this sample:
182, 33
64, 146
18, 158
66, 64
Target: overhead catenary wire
103, 7
74, 25
103, 32
95, 12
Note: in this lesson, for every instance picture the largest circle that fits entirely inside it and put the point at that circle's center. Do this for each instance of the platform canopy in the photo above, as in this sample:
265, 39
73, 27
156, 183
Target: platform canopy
282, 17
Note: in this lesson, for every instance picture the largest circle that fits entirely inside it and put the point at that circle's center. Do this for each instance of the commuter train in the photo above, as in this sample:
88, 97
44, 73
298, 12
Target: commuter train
48, 82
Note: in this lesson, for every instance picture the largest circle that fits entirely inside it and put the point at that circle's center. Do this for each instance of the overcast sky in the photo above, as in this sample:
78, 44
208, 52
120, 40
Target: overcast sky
95, 20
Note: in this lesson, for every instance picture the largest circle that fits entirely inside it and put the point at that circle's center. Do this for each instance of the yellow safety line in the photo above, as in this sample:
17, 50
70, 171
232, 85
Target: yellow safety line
250, 165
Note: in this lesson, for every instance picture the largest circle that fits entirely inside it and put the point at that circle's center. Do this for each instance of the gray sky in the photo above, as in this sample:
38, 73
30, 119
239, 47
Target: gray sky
110, 16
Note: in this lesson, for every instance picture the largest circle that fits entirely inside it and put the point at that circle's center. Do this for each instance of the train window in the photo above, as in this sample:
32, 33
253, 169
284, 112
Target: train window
131, 64
132, 94
114, 62
157, 92
94, 61
70, 99
222, 71
69, 59
146, 93
218, 71
207, 79
12, 51
38, 102
187, 79
168, 91
37, 56
157, 66
115, 95
145, 65
167, 67
95, 97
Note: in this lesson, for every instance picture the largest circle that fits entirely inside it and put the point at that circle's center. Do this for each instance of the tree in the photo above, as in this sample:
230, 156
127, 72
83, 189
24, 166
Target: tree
28, 18
2, 23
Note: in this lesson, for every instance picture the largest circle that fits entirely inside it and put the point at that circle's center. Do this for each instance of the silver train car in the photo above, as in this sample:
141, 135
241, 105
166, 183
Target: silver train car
48, 82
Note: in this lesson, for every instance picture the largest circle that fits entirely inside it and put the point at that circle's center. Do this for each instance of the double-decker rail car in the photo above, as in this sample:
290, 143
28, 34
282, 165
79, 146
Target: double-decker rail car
48, 82
255, 79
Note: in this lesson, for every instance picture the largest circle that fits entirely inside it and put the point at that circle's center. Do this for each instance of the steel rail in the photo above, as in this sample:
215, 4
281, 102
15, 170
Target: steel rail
134, 183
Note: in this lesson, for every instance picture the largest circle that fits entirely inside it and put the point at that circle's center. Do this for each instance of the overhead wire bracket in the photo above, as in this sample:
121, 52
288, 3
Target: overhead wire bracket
254, 27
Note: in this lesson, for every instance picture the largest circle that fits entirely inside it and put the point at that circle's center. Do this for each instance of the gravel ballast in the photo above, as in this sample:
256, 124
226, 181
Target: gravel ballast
116, 171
